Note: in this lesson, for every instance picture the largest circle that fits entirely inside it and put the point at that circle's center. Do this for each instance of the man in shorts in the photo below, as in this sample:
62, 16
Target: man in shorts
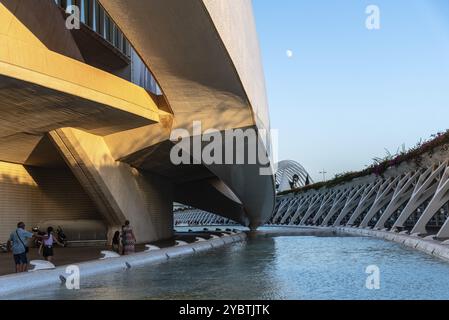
18, 243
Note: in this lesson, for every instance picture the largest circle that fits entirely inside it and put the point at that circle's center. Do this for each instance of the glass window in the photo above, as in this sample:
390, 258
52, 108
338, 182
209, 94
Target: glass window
87, 12
107, 28
141, 76
83, 8
93, 15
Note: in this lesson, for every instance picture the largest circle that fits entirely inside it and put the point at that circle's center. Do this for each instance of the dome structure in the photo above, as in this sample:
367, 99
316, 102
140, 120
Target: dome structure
290, 175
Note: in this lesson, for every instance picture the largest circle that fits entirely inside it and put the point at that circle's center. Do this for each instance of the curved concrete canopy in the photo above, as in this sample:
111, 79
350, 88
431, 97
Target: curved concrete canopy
237, 28
205, 71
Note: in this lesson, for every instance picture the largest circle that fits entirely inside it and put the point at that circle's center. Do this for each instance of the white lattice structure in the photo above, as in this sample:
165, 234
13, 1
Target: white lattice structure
410, 198
196, 217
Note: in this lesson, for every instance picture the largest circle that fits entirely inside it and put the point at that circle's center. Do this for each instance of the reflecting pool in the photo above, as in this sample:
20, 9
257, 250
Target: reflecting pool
275, 265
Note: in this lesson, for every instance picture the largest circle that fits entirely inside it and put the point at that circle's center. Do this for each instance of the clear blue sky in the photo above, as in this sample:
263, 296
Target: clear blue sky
347, 93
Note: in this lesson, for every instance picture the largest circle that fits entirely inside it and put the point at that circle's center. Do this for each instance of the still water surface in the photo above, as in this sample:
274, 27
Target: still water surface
275, 266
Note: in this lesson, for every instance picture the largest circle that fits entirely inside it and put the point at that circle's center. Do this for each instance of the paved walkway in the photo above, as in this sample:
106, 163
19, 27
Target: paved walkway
69, 255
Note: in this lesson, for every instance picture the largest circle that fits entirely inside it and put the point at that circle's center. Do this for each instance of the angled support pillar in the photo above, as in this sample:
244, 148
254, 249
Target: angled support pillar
383, 197
284, 202
326, 205
351, 203
366, 201
287, 203
425, 188
401, 195
315, 204
292, 208
439, 199
302, 208
298, 204
338, 205
279, 202
444, 231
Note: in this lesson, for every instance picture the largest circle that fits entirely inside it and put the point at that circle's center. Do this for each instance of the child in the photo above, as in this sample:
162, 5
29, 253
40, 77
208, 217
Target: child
47, 244
116, 242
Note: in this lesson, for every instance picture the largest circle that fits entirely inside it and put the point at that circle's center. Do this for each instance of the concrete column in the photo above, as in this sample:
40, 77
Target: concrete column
120, 191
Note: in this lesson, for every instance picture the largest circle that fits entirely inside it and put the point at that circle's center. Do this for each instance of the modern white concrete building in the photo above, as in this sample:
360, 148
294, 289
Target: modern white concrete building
87, 113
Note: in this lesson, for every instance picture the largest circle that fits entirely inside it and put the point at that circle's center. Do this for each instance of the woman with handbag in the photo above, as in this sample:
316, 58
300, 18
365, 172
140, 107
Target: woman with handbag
128, 239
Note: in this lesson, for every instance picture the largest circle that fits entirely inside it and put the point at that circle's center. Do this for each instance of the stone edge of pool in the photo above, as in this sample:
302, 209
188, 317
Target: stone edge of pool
431, 247
15, 283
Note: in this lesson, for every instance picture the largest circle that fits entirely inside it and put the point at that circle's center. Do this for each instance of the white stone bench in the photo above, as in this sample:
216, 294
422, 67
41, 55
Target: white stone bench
150, 247
41, 265
109, 255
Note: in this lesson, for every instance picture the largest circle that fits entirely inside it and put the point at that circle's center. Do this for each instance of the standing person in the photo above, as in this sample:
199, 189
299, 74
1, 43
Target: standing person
18, 243
47, 244
128, 239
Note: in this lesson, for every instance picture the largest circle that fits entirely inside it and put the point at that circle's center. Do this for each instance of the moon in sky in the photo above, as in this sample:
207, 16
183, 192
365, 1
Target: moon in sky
289, 53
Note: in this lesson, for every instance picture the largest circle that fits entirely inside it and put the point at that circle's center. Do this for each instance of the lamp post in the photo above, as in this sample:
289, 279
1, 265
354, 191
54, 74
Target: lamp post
324, 174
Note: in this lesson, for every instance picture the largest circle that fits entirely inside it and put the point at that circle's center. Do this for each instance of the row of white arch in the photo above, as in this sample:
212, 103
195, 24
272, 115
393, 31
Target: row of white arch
374, 202
199, 217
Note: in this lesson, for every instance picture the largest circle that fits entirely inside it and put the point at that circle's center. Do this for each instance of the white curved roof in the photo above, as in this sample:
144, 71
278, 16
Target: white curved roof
284, 175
